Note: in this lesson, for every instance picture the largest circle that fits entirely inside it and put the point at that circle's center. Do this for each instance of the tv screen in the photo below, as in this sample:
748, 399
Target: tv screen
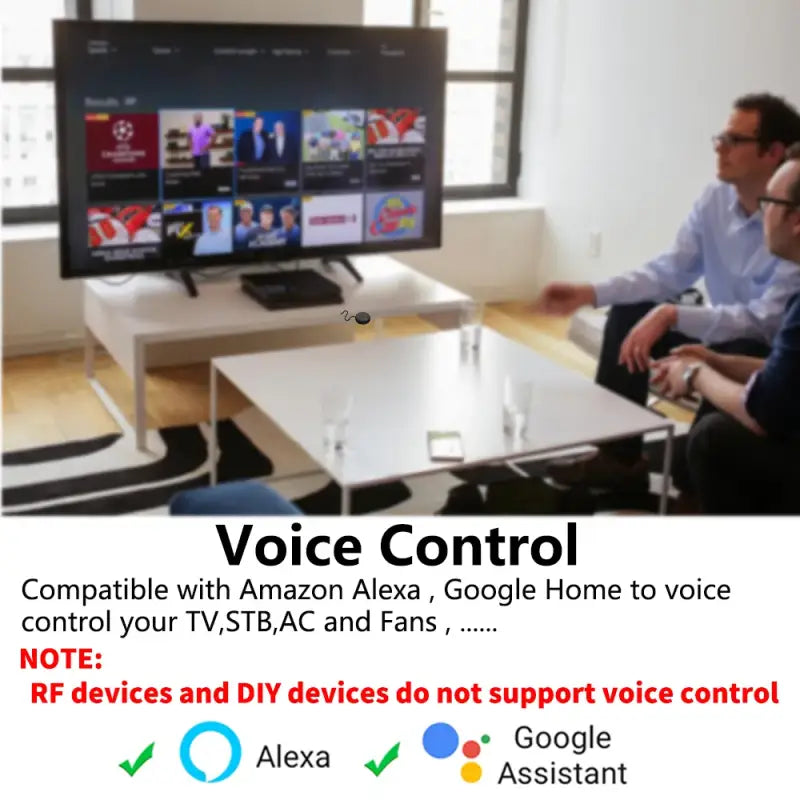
188, 145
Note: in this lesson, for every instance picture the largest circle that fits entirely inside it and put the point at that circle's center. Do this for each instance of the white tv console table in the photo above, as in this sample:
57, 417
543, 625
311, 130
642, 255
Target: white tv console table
127, 319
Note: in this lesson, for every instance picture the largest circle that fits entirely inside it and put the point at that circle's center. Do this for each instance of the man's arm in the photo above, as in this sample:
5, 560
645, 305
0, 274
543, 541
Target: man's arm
758, 319
769, 401
737, 368
725, 394
773, 392
667, 275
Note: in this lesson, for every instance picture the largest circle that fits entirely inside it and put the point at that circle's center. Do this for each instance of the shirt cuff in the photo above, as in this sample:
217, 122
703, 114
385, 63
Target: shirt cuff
693, 321
604, 293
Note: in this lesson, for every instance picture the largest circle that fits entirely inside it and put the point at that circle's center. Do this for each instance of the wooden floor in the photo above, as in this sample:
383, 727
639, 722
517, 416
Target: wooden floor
47, 400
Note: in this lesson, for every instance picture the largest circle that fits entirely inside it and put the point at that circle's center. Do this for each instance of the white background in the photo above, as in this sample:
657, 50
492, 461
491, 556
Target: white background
674, 750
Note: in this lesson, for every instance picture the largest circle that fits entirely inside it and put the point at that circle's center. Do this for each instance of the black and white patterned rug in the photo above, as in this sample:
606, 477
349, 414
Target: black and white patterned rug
107, 475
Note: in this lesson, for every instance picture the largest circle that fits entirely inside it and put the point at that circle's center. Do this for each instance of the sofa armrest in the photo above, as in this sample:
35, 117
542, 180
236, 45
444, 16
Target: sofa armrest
586, 330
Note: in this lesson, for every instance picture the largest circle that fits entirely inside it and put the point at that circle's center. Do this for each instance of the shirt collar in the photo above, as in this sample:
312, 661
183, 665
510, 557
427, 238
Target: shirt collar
739, 217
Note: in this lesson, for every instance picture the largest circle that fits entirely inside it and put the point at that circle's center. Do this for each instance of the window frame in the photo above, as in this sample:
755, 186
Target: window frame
515, 77
16, 215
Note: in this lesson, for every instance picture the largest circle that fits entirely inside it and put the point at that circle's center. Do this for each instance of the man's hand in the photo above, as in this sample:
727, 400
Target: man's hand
697, 352
564, 298
635, 350
668, 376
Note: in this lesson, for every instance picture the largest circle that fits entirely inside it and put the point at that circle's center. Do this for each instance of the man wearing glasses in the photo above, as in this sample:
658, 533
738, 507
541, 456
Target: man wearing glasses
745, 456
721, 242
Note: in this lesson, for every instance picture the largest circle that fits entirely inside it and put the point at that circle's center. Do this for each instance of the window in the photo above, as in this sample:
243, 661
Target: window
486, 63
389, 12
485, 67
30, 185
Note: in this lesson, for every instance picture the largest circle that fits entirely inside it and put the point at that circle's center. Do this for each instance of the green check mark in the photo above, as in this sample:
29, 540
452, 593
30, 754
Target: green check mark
144, 756
385, 761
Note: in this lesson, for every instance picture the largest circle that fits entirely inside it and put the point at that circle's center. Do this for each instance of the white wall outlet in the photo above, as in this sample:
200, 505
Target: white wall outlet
595, 244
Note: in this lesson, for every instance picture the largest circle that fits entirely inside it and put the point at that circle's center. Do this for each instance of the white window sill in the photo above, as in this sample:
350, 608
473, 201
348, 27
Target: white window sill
43, 231
30, 233
489, 205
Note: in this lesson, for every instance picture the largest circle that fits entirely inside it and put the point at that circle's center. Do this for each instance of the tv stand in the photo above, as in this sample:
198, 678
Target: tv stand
329, 261
140, 322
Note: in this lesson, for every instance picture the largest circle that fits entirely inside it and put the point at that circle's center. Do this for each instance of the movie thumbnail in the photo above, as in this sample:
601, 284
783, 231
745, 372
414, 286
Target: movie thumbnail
263, 222
267, 151
111, 226
121, 157
196, 139
267, 138
121, 142
392, 126
197, 153
395, 147
332, 219
394, 215
336, 136
200, 228
124, 232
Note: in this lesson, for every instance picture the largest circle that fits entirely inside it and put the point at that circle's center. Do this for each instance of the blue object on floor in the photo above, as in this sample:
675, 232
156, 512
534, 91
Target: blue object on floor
238, 498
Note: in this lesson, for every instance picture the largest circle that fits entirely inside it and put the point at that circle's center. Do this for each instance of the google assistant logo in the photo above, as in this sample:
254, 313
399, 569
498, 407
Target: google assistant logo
440, 740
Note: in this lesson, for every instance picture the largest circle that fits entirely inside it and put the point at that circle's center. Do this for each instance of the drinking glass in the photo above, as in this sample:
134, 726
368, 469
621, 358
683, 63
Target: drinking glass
337, 407
471, 324
517, 398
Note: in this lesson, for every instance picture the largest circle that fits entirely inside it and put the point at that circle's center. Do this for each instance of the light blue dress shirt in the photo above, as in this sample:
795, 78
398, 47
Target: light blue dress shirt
748, 288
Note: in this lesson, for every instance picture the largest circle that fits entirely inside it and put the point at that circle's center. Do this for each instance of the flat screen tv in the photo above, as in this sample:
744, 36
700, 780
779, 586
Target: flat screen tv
185, 146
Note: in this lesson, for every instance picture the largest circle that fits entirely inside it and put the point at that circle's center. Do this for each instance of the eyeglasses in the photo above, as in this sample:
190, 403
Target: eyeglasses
732, 139
778, 201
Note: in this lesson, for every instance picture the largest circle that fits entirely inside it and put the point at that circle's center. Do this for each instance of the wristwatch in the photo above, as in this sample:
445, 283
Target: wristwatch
689, 375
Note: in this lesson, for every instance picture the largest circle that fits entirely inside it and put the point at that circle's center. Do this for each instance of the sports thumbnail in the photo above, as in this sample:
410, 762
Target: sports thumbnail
267, 138
111, 226
266, 222
394, 215
198, 229
332, 219
387, 126
333, 136
121, 142
196, 139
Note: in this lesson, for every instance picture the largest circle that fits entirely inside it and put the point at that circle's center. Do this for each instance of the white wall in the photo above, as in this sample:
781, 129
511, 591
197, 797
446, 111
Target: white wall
40, 311
490, 249
622, 97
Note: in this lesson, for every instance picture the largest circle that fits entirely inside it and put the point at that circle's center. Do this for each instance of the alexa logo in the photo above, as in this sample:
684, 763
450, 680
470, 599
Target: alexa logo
221, 730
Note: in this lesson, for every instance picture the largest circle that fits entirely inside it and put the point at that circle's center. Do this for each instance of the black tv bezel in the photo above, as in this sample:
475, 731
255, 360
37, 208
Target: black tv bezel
237, 259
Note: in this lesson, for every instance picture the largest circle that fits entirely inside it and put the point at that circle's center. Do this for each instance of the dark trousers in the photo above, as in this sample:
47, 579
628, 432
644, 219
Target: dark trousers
634, 386
203, 161
734, 471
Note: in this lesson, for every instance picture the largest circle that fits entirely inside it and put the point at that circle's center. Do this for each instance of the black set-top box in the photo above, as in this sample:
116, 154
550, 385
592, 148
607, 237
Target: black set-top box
291, 289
